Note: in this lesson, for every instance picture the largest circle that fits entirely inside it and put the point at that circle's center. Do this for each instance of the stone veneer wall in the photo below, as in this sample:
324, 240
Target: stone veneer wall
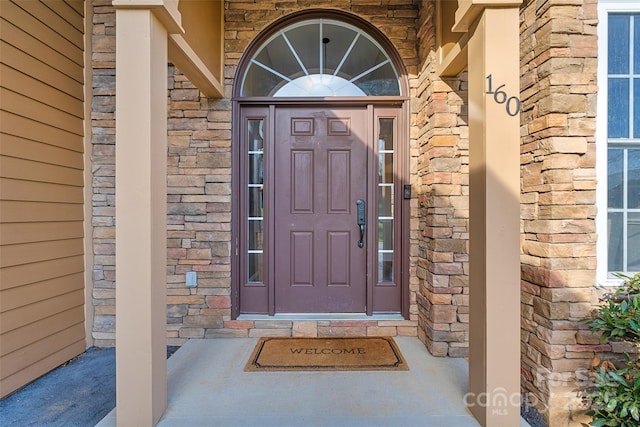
199, 180
443, 205
102, 152
558, 202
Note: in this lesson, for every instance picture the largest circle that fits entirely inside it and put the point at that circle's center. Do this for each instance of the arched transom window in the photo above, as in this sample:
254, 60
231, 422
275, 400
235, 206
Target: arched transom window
320, 58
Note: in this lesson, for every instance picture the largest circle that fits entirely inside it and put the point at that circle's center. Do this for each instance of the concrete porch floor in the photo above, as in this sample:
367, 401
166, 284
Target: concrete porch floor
207, 386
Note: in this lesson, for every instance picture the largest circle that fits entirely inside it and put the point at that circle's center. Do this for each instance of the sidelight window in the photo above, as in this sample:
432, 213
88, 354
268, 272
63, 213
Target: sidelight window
255, 201
386, 196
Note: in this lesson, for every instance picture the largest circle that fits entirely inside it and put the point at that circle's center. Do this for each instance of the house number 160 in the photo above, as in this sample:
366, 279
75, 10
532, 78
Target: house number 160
500, 96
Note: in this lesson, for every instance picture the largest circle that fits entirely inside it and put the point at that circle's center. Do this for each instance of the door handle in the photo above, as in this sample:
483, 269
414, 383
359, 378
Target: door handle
362, 220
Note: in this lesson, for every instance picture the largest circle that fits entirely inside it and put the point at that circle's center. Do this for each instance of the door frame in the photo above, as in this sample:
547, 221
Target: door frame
265, 108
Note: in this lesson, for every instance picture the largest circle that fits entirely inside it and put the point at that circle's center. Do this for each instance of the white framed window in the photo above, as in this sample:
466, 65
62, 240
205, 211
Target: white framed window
618, 139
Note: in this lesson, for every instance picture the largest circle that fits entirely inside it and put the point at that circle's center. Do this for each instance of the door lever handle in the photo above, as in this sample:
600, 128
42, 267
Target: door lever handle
362, 220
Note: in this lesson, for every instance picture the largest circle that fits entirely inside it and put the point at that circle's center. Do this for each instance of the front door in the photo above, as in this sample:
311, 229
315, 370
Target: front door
320, 177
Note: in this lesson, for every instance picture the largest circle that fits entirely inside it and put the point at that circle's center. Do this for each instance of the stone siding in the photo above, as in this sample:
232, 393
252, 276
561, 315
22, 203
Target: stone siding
103, 182
442, 167
558, 201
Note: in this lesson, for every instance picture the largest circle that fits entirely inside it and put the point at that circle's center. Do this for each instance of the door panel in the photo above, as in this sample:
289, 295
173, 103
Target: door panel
320, 171
302, 180
301, 255
338, 256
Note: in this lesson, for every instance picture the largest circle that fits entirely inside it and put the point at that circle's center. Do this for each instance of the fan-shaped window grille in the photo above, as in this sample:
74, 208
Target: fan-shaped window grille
320, 57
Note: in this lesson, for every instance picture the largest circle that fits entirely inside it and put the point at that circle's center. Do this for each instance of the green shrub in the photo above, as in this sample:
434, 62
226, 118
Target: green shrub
618, 321
615, 396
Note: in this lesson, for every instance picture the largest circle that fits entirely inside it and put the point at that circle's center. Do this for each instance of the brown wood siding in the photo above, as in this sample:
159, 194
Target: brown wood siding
41, 187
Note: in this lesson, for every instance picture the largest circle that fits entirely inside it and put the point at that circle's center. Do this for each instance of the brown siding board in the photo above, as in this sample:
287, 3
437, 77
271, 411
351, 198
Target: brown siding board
44, 34
17, 318
28, 65
11, 299
14, 233
68, 13
28, 253
30, 191
40, 172
26, 375
38, 330
25, 274
23, 41
77, 5
27, 107
26, 128
15, 146
14, 211
33, 88
54, 22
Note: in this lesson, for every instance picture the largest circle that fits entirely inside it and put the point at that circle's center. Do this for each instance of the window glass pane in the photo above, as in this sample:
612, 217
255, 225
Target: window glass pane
305, 40
385, 267
364, 56
615, 175
385, 234
615, 231
633, 242
340, 39
385, 148
256, 234
385, 140
636, 44
260, 82
385, 201
255, 156
380, 82
256, 169
618, 44
278, 56
633, 179
255, 268
618, 107
255, 202
255, 135
385, 167
636, 106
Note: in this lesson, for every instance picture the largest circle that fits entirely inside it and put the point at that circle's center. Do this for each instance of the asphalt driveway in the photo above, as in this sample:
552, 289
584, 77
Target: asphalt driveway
78, 393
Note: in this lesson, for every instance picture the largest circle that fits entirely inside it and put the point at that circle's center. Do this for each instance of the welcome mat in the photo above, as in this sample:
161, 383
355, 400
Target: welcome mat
326, 354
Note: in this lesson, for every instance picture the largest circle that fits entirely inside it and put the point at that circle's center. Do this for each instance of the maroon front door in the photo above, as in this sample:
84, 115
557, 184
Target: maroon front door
320, 174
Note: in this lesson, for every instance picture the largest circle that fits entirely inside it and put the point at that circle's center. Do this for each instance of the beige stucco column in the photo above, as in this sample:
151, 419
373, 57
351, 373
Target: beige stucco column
141, 145
494, 272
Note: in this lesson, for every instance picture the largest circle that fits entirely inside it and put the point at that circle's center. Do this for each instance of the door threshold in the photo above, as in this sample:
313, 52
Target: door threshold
322, 316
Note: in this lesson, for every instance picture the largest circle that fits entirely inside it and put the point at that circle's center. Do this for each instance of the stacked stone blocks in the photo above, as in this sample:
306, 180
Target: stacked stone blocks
442, 166
558, 201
